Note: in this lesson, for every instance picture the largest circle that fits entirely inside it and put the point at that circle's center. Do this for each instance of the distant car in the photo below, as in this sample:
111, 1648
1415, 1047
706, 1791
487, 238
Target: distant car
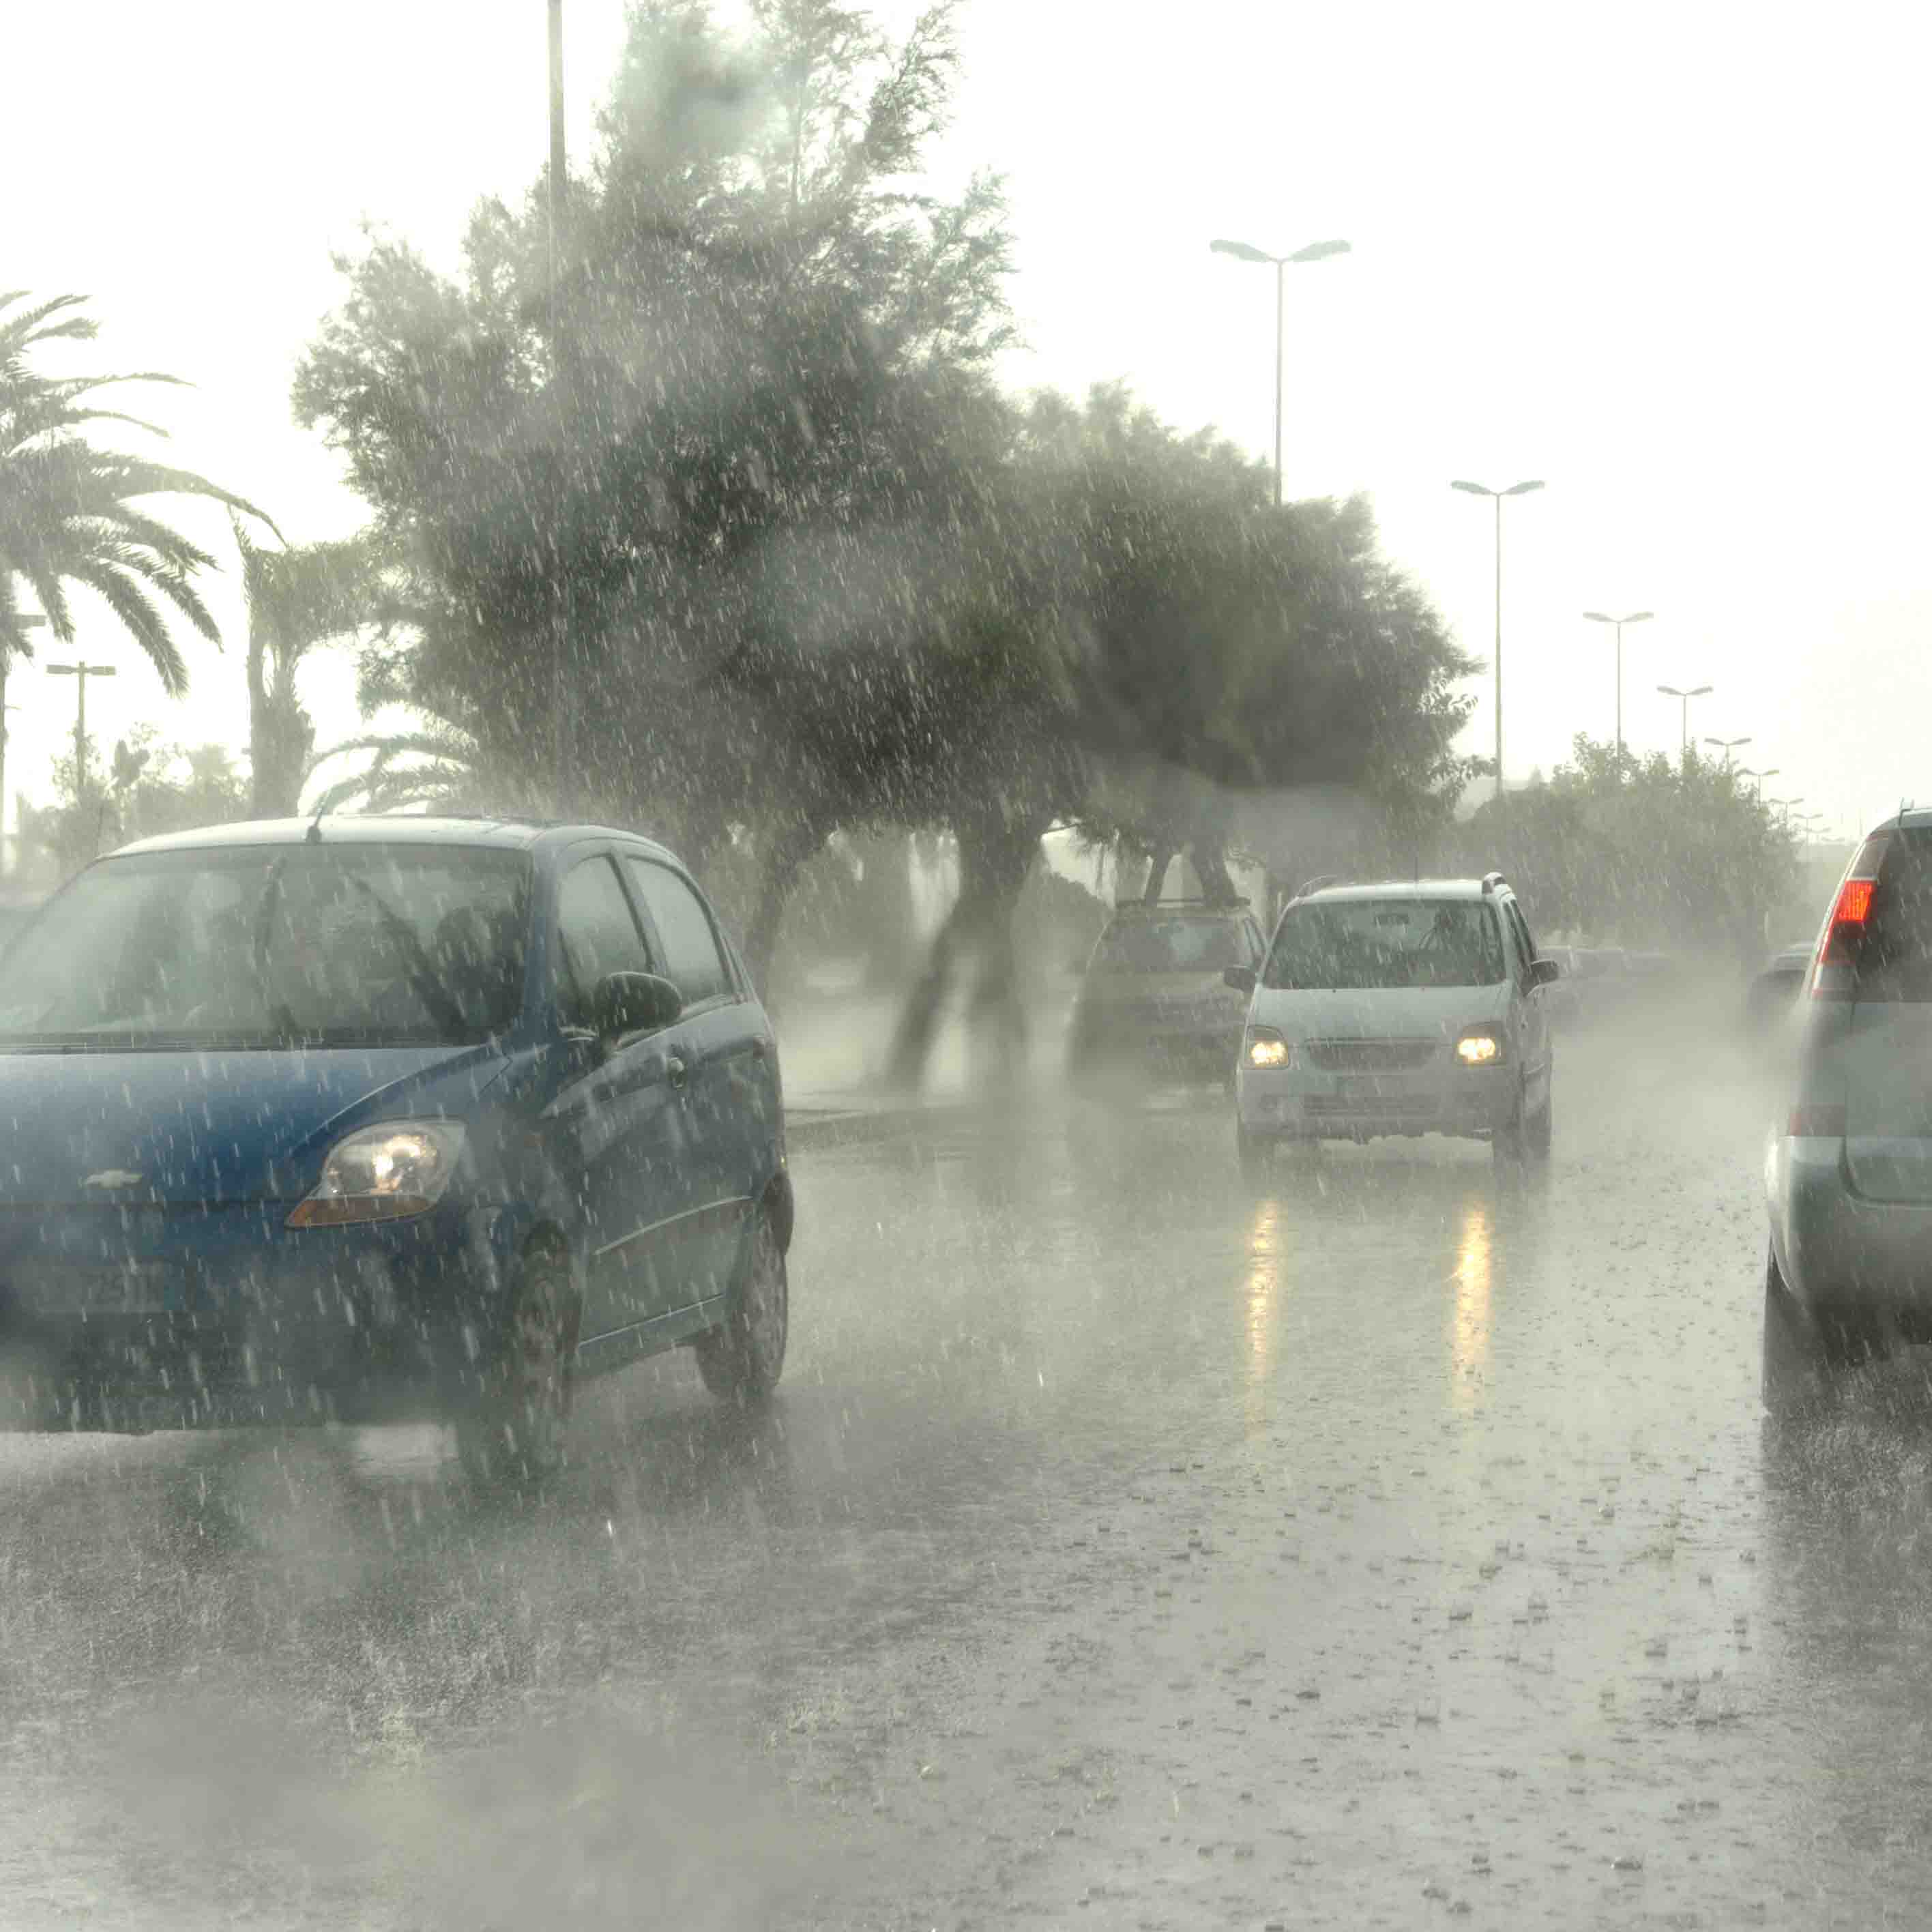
383, 1117
1412, 1008
1153, 998
1849, 1171
1776, 984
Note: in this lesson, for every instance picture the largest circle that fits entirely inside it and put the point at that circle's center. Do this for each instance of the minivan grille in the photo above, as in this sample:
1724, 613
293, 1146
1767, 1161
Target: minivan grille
1369, 1056
1371, 1106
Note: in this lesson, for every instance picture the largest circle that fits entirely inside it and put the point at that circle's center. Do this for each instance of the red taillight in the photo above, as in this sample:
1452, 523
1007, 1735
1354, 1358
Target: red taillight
1849, 912
1814, 1122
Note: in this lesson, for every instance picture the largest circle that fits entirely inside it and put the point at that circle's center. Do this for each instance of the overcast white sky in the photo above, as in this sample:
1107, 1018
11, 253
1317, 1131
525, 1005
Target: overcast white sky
1665, 257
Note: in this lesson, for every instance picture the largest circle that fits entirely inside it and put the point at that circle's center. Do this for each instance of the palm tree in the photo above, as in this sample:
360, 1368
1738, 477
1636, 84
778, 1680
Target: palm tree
436, 764
297, 597
69, 512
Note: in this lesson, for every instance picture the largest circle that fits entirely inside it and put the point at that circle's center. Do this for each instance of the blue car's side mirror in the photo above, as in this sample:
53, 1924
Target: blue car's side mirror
1241, 978
628, 1002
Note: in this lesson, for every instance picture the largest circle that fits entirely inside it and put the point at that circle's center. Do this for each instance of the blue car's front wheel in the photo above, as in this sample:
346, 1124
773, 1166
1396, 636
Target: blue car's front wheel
516, 1428
742, 1359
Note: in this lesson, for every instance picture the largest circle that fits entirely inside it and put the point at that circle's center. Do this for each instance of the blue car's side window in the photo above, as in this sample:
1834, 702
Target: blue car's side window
694, 961
596, 934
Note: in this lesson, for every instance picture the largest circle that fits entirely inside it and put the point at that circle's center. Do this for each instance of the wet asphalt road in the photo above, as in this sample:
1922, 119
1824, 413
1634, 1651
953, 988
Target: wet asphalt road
1400, 1542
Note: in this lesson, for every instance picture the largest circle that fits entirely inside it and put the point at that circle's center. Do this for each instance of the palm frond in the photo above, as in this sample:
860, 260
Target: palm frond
129, 602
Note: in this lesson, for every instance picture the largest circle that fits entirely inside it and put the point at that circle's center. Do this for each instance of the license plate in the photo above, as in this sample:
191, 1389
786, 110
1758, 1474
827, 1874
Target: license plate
133, 1287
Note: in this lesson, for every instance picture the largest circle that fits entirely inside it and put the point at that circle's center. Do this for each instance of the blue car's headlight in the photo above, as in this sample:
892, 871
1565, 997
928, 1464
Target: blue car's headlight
383, 1173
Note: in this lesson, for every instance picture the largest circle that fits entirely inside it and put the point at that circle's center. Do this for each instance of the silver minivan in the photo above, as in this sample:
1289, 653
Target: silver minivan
1407, 1008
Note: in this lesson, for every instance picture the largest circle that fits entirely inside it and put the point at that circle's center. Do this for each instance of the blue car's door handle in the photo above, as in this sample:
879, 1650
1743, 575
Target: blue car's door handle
677, 1071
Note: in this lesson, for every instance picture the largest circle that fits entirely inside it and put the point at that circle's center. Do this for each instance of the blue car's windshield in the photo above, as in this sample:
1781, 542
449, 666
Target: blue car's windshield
1354, 944
346, 944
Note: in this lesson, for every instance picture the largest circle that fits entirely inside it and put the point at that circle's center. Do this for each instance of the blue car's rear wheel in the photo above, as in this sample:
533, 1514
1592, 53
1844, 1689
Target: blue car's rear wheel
741, 1359
517, 1428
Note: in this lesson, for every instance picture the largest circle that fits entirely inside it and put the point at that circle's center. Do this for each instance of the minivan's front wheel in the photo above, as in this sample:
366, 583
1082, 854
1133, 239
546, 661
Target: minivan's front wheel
516, 1428
1537, 1130
741, 1359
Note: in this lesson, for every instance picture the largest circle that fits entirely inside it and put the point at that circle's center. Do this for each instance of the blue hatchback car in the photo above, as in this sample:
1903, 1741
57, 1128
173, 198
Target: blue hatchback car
383, 1118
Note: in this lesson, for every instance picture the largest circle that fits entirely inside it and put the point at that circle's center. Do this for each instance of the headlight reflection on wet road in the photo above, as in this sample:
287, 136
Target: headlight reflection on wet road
1469, 1308
1265, 1260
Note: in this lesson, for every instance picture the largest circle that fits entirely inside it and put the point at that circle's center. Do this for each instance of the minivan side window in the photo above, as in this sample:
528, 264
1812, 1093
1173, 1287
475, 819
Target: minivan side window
596, 934
693, 961
1525, 945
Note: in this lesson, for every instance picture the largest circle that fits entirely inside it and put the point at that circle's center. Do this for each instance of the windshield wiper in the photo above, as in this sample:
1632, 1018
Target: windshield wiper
442, 1009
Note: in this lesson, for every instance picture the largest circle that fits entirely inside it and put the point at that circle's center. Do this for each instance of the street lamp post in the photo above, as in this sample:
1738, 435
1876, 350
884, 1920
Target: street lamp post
1514, 490
82, 671
1242, 251
1727, 746
1671, 690
1635, 617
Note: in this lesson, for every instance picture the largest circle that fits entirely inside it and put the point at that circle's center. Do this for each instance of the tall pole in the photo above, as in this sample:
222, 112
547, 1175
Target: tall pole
1496, 496
563, 689
1245, 251
1499, 647
1280, 280
1620, 694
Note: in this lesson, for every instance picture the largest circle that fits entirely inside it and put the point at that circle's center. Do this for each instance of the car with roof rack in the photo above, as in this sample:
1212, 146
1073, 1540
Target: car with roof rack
1404, 1007
377, 1117
1154, 998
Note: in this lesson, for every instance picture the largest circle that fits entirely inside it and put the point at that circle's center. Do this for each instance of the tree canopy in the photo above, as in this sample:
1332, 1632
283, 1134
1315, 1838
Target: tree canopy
1649, 852
818, 572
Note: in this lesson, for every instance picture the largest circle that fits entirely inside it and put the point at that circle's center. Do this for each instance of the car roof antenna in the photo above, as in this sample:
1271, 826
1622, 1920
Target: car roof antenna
313, 836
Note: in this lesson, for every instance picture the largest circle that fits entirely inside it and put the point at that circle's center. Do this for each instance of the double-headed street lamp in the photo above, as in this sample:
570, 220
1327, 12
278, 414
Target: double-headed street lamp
1635, 617
1727, 746
1242, 251
1671, 690
1483, 490
83, 671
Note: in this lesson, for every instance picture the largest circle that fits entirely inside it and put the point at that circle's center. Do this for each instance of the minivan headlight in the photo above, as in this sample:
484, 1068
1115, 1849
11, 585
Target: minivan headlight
1267, 1048
384, 1173
1479, 1046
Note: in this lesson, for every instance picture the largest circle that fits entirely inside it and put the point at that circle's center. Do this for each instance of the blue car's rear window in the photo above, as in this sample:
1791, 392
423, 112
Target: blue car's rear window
350, 944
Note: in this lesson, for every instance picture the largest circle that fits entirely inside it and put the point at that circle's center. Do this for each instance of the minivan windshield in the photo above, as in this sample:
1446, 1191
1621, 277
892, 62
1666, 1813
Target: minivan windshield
274, 946
1182, 944
1358, 943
